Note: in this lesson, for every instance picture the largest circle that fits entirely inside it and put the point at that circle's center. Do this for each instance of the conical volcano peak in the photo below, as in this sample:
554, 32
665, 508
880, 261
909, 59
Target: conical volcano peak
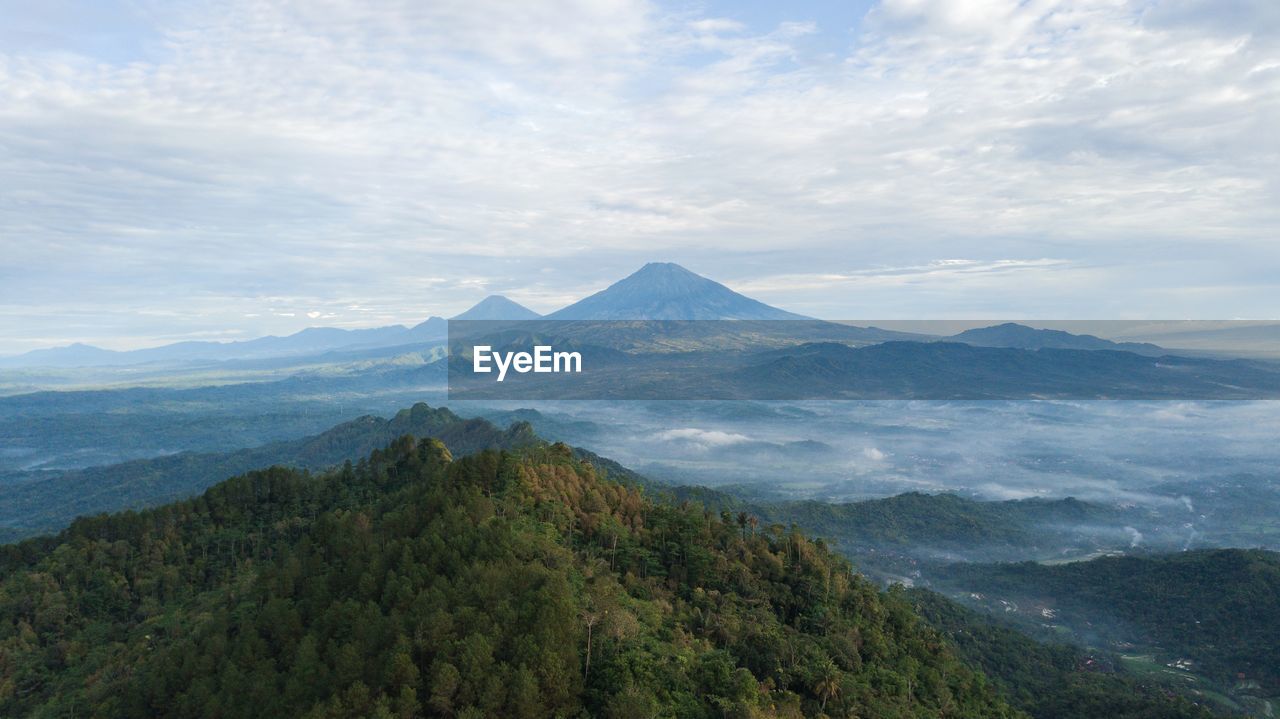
666, 277
667, 291
497, 307
666, 269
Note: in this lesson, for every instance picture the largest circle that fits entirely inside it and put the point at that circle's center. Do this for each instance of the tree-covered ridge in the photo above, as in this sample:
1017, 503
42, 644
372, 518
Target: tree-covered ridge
915, 519
891, 536
1219, 608
1050, 681
46, 504
500, 584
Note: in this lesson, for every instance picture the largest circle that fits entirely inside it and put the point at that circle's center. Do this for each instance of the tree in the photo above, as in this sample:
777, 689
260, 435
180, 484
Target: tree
828, 685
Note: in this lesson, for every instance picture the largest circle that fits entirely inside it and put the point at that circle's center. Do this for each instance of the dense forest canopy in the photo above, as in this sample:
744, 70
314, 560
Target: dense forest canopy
1218, 608
40, 502
1050, 681
499, 584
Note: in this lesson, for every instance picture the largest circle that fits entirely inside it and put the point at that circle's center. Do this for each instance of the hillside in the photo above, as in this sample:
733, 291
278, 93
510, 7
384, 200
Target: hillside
1219, 609
1050, 681
50, 503
922, 520
906, 535
414, 584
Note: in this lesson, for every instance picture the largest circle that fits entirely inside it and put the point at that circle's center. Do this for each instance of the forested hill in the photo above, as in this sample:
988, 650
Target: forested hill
1051, 681
46, 504
915, 520
1219, 608
499, 584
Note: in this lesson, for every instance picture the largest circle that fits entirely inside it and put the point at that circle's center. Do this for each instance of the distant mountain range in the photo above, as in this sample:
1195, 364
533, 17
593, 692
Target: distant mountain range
661, 294
950, 370
658, 291
884, 370
310, 341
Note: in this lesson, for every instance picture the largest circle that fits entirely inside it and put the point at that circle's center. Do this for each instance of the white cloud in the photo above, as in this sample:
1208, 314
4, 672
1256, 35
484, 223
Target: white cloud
702, 438
343, 151
939, 270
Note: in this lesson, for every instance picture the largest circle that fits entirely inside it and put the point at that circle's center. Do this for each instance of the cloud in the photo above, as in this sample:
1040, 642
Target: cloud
702, 438
938, 270
994, 491
343, 151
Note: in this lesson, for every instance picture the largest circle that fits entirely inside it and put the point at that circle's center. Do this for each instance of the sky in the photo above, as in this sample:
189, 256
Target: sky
223, 170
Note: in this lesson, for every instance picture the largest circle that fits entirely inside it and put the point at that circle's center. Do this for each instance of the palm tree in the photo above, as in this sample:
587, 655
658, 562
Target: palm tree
828, 686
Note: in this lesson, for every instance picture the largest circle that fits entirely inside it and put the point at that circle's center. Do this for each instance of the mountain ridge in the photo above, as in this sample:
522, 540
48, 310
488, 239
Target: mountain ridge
1018, 336
311, 340
658, 291
25, 507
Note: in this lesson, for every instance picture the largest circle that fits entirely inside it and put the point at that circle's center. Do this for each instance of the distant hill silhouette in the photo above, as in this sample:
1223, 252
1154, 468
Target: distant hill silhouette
48, 504
310, 341
1011, 334
952, 370
78, 354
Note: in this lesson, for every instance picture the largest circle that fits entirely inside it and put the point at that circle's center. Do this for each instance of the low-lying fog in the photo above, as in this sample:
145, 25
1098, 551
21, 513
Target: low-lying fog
1111, 451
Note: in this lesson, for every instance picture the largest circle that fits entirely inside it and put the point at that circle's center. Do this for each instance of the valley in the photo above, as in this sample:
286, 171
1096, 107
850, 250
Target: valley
972, 515
639, 359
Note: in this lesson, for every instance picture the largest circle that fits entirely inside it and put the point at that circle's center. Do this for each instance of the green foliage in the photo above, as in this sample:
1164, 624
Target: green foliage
891, 535
50, 503
500, 584
1049, 681
943, 520
1220, 608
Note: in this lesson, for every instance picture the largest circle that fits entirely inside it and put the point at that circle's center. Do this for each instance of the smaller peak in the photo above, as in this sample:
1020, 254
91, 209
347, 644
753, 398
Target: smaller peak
82, 347
433, 322
497, 307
